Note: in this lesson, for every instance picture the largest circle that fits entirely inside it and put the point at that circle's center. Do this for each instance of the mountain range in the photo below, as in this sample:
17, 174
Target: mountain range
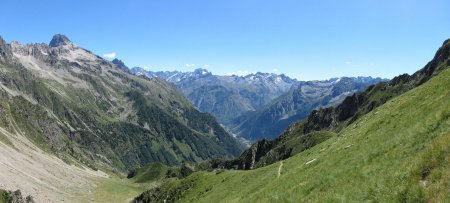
259, 105
225, 97
271, 120
82, 108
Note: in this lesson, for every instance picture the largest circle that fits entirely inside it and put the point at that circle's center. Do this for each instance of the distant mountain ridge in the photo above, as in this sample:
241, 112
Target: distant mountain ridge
226, 97
259, 105
271, 120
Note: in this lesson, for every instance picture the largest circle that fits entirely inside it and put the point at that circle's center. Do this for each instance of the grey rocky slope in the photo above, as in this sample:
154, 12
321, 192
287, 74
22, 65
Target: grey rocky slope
80, 107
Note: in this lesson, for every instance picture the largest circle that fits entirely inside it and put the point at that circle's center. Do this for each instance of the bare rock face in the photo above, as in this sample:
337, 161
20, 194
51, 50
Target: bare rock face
61, 52
59, 40
250, 157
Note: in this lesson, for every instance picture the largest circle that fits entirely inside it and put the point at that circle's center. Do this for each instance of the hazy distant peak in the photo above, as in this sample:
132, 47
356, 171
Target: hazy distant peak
201, 71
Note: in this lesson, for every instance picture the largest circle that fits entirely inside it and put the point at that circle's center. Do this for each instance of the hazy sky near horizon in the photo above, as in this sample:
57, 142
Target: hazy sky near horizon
305, 39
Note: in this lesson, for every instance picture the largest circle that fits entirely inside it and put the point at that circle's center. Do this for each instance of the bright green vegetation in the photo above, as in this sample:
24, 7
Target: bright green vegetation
149, 173
398, 152
4, 196
117, 190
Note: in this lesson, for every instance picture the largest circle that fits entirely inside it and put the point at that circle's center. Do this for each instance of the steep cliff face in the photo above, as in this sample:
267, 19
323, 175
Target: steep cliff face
76, 105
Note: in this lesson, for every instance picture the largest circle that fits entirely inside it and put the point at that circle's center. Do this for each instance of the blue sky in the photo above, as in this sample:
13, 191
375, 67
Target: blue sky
305, 39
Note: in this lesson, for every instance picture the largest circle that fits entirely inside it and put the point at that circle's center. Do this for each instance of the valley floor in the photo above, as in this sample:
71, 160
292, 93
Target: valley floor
117, 190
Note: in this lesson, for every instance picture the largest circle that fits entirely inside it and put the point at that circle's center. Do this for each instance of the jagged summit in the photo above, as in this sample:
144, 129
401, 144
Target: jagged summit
120, 64
59, 40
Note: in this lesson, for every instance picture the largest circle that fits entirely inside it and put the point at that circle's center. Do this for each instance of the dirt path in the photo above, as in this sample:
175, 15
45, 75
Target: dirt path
279, 169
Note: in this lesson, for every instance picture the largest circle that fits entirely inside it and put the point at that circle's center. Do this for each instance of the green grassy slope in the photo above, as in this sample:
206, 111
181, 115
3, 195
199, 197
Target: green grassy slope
149, 173
3, 196
323, 123
116, 190
399, 152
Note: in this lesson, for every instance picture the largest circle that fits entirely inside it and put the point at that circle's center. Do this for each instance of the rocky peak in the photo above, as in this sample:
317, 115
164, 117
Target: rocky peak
58, 49
121, 65
446, 42
59, 40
